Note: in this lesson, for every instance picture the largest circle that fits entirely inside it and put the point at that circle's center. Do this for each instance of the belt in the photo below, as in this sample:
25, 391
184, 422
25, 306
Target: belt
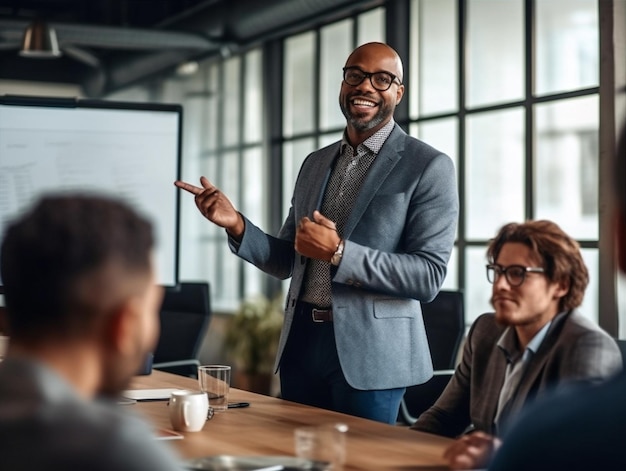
317, 315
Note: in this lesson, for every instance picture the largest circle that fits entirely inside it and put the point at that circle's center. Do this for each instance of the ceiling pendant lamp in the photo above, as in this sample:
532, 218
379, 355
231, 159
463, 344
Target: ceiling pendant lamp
40, 41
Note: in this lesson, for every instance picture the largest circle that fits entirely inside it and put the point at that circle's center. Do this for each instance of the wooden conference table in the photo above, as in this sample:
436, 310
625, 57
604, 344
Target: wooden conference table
266, 428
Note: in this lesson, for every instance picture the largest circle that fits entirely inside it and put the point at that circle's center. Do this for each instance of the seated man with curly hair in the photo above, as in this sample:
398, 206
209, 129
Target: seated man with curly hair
535, 340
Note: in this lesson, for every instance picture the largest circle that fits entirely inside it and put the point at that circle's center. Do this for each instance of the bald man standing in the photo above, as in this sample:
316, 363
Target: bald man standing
368, 236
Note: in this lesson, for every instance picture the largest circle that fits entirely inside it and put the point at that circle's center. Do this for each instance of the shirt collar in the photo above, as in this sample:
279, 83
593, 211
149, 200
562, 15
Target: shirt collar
373, 143
509, 345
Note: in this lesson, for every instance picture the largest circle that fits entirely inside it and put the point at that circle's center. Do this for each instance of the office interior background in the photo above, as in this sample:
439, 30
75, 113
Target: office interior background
524, 95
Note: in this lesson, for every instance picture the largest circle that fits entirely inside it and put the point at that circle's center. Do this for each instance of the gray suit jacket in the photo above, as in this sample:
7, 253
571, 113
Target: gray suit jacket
398, 240
574, 349
45, 424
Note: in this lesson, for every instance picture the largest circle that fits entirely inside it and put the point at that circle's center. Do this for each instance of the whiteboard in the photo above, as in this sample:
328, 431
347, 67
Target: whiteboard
125, 150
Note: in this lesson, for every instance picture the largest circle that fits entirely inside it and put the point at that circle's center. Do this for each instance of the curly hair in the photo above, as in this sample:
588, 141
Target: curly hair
559, 253
54, 257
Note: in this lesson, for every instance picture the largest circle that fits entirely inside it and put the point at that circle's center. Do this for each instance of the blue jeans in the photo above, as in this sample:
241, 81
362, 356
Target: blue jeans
310, 374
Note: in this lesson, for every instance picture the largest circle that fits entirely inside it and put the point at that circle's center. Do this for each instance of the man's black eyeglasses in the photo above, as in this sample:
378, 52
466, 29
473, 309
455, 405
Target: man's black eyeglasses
381, 81
515, 274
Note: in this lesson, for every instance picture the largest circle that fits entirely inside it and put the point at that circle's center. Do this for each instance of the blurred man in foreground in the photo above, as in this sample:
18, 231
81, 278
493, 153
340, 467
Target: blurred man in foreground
582, 428
535, 340
82, 313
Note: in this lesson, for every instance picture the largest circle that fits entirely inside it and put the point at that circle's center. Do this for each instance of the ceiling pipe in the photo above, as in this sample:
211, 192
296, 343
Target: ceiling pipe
234, 25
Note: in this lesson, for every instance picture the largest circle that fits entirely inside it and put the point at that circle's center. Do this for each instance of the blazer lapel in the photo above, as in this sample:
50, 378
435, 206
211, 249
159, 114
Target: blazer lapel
383, 164
494, 377
319, 179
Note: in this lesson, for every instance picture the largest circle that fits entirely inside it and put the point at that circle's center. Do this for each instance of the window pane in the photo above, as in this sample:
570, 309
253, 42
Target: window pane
253, 189
210, 94
589, 307
567, 45
495, 51
494, 171
194, 123
199, 239
230, 177
197, 261
336, 45
253, 83
294, 154
253, 285
210, 168
230, 110
138, 93
371, 26
442, 134
478, 289
451, 281
566, 172
254, 207
226, 280
327, 139
433, 65
299, 81
173, 89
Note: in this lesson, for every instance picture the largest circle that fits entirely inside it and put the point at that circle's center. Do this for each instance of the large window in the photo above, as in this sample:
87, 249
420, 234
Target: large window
521, 124
230, 116
508, 88
223, 140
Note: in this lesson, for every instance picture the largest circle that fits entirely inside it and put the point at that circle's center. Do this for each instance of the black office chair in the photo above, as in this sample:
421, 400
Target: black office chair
185, 316
444, 319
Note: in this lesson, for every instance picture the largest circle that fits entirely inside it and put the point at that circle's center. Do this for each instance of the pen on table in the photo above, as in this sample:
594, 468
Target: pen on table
237, 405
278, 467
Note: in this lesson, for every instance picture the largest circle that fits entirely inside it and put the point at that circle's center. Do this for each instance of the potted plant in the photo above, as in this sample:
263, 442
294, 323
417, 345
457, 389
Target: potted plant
251, 340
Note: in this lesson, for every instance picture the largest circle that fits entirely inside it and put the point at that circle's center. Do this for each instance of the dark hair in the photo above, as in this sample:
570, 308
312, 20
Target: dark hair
559, 253
49, 252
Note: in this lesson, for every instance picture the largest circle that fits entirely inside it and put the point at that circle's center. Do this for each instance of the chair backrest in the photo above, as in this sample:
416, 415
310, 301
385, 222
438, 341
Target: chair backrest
444, 319
185, 315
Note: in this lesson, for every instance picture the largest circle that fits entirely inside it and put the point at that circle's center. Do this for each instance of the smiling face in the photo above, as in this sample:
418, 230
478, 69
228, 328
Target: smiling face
530, 305
365, 108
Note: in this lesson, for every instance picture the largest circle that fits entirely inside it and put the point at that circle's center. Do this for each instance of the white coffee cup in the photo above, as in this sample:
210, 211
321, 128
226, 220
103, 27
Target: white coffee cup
188, 410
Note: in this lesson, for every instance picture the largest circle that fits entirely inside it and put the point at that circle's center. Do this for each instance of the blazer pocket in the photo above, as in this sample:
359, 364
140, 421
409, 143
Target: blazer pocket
395, 308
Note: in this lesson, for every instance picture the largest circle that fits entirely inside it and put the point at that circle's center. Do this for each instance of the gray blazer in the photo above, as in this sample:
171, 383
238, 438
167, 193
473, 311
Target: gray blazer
574, 349
46, 424
398, 240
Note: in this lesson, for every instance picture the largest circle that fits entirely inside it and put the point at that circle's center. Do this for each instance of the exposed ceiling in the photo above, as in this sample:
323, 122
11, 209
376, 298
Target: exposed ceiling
109, 44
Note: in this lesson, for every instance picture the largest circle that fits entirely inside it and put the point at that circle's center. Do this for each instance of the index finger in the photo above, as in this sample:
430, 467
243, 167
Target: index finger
194, 190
